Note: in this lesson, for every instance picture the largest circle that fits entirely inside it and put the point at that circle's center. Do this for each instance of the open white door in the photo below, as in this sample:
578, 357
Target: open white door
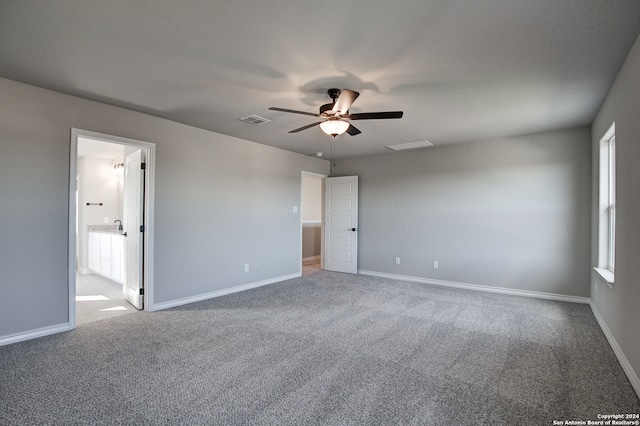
133, 225
341, 224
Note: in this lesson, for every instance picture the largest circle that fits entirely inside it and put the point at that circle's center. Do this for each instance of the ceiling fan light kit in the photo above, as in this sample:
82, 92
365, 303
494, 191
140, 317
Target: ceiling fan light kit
335, 114
334, 127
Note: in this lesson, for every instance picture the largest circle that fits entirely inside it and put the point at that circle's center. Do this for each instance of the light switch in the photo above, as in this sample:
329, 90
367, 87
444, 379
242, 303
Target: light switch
295, 209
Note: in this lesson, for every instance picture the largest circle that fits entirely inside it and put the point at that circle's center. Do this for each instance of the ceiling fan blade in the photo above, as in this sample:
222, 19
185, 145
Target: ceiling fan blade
375, 115
294, 111
344, 101
308, 126
353, 131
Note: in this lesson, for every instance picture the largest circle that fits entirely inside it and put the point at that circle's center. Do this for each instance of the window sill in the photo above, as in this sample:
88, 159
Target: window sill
606, 275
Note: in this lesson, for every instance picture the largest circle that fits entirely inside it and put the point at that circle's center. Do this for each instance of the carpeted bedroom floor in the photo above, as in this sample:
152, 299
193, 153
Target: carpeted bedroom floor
326, 348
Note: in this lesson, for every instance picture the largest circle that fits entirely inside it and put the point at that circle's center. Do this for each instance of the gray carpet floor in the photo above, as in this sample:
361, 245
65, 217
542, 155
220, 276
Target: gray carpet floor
325, 348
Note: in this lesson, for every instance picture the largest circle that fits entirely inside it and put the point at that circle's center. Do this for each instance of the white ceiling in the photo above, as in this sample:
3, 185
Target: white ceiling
100, 149
461, 70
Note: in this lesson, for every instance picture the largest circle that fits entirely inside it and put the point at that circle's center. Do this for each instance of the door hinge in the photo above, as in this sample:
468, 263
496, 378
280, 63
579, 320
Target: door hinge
143, 166
142, 292
141, 228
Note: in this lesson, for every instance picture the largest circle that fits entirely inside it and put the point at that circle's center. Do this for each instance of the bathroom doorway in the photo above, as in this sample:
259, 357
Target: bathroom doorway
111, 211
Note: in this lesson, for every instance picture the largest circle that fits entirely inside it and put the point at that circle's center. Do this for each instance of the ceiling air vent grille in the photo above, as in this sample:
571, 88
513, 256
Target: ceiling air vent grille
255, 119
410, 145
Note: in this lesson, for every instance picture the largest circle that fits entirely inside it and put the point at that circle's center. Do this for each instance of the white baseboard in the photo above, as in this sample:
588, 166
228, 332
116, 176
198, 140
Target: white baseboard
624, 362
33, 334
218, 293
310, 258
477, 287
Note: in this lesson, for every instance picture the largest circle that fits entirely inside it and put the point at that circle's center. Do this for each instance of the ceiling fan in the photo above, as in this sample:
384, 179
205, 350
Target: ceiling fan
337, 112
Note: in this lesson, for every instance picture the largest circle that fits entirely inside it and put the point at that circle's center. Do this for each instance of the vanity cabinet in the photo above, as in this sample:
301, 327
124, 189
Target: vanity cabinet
106, 255
94, 251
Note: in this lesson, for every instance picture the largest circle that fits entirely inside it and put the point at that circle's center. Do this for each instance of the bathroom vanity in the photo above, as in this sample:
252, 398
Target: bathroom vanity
106, 255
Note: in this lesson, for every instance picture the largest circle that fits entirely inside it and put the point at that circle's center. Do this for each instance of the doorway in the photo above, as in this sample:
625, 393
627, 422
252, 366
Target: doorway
110, 250
311, 222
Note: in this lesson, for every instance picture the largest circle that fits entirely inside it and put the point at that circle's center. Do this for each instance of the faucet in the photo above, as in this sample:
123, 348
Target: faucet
119, 224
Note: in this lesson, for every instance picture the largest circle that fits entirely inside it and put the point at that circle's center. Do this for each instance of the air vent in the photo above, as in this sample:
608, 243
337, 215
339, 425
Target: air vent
255, 119
410, 145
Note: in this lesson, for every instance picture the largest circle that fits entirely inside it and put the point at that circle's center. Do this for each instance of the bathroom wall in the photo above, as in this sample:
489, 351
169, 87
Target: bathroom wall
97, 183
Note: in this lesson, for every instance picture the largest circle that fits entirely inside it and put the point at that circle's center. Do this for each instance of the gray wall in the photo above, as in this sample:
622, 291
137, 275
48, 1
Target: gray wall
512, 213
311, 239
221, 202
620, 306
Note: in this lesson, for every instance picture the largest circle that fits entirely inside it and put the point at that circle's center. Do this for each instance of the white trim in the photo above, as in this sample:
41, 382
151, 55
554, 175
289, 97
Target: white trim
606, 204
71, 247
149, 212
310, 258
34, 334
626, 366
314, 174
477, 287
223, 292
606, 275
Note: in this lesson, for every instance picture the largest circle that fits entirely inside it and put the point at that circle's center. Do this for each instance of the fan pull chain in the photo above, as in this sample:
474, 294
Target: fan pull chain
333, 148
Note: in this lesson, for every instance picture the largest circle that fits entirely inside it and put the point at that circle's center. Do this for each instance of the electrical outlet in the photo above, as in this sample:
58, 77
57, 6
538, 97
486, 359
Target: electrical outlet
435, 264
397, 260
106, 220
246, 267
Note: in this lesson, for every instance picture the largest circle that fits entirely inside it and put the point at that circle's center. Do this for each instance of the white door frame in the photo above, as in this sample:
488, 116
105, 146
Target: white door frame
319, 176
150, 149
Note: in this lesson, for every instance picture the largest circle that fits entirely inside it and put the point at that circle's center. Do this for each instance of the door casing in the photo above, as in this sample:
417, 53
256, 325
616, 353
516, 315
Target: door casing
150, 149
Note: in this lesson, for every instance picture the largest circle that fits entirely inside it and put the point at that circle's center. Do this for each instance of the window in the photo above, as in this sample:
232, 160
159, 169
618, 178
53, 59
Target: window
611, 175
607, 207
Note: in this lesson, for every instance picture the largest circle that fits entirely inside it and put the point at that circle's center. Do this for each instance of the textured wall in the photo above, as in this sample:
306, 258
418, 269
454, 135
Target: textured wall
512, 213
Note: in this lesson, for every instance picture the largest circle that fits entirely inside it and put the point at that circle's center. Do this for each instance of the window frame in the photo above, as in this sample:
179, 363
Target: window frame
611, 210
607, 206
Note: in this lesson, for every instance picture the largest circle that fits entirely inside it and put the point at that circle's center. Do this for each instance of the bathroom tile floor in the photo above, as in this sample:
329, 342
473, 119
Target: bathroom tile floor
99, 298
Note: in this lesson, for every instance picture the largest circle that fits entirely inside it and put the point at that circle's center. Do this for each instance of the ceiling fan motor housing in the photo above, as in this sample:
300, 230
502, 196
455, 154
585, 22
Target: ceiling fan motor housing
324, 108
333, 94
